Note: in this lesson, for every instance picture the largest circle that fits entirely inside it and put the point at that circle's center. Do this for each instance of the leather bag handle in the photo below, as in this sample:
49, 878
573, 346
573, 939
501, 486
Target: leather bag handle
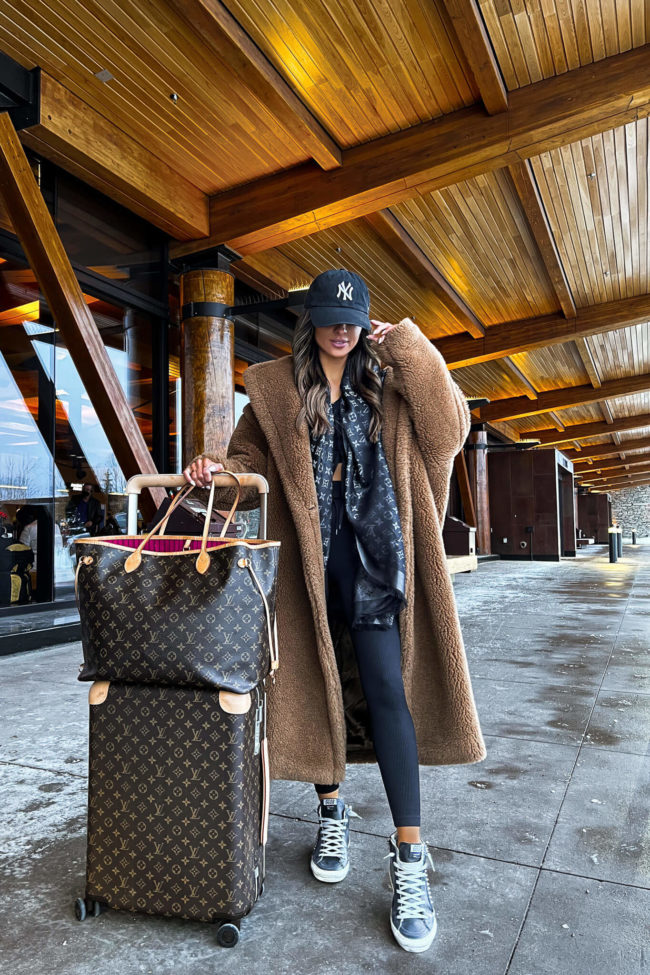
184, 491
203, 560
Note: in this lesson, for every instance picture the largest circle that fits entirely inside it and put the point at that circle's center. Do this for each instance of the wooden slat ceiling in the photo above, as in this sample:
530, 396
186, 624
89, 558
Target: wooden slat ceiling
620, 406
551, 368
217, 135
515, 233
364, 70
476, 234
624, 352
356, 246
535, 40
595, 193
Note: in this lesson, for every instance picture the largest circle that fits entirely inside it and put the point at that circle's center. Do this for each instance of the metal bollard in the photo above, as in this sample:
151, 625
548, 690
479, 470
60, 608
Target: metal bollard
619, 542
613, 545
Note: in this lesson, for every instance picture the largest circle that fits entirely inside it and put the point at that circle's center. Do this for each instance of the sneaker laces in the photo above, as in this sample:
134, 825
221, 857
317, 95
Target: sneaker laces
411, 887
332, 833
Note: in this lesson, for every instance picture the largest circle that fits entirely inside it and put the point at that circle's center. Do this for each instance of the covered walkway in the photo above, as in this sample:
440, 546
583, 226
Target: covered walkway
542, 851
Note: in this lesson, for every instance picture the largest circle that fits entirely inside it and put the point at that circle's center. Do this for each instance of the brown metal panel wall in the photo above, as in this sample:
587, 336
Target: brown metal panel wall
523, 492
546, 538
499, 474
593, 516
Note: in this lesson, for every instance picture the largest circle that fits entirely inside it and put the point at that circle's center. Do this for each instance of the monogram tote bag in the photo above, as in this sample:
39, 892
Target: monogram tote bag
180, 609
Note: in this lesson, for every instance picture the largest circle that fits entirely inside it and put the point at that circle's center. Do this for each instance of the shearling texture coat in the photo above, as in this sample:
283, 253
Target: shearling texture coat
317, 718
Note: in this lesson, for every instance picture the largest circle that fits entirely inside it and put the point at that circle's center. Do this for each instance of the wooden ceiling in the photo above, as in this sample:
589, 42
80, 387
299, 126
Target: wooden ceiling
365, 70
538, 40
483, 164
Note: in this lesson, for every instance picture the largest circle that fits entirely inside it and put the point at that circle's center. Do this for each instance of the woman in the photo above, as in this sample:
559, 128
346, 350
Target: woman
358, 459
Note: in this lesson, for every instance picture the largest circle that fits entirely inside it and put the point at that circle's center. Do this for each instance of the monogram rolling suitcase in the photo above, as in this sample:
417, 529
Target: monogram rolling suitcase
178, 792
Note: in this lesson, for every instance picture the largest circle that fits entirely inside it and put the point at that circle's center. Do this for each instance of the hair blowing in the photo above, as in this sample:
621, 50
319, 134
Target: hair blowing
313, 385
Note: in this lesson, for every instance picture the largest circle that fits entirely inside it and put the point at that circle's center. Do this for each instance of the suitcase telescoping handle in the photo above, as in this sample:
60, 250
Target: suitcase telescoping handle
138, 481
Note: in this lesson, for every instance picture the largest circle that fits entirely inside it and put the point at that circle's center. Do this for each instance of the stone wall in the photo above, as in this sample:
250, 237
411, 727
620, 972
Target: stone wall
631, 509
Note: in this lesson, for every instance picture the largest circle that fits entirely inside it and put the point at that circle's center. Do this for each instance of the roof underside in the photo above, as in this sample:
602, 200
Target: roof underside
483, 164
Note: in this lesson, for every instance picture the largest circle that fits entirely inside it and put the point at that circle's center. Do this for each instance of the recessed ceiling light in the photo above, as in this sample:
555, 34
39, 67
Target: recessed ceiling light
104, 75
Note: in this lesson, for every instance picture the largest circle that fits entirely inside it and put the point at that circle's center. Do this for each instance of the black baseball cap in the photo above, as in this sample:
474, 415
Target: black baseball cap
336, 297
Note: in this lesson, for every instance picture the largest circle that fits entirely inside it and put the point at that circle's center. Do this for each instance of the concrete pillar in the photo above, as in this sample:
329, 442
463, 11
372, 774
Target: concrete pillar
207, 362
478, 477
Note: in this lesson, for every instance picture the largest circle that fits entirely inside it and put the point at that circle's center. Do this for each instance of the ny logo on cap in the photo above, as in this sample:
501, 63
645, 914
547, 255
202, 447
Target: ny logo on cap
345, 291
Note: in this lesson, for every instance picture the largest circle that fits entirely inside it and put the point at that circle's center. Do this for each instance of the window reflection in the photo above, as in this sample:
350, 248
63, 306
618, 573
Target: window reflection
26, 466
59, 477
108, 239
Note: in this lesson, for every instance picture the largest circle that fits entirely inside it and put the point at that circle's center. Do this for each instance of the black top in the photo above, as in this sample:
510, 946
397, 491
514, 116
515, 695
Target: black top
339, 454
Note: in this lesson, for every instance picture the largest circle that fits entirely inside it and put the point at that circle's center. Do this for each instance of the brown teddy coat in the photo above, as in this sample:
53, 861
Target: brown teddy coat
317, 719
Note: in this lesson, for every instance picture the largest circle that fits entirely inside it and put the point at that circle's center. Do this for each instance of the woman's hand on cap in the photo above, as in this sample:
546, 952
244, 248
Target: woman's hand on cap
380, 330
200, 470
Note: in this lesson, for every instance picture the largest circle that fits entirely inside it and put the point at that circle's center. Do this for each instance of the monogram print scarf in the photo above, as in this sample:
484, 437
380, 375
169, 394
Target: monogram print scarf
371, 507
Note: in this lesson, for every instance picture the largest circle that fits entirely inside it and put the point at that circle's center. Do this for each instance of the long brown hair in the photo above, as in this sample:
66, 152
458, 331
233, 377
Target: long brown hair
313, 385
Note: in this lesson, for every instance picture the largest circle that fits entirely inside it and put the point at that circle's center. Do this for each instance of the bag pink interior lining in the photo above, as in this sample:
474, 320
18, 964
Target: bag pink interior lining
174, 544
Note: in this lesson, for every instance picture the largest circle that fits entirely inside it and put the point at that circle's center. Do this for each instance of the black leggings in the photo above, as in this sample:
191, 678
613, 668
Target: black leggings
378, 655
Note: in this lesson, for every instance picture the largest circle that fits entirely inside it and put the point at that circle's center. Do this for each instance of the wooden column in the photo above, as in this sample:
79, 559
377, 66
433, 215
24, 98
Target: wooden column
47, 258
207, 363
478, 476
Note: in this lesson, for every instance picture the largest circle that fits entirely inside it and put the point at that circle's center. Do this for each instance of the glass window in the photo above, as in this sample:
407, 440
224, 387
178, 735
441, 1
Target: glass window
95, 496
108, 239
27, 475
52, 441
59, 477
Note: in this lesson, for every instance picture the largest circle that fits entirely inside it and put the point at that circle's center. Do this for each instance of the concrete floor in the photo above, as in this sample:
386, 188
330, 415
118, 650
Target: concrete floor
542, 851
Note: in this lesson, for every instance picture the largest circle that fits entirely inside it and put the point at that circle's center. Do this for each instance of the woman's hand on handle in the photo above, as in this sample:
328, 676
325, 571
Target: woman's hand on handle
200, 470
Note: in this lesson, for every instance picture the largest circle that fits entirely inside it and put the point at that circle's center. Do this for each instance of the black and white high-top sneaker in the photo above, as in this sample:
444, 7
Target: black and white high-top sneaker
412, 916
329, 859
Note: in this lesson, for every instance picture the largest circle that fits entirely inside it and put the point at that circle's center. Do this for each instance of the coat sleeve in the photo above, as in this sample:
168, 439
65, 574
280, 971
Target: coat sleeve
246, 453
437, 406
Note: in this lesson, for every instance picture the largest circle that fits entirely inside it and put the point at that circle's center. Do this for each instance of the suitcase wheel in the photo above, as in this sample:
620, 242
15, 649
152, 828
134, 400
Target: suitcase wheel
228, 934
87, 907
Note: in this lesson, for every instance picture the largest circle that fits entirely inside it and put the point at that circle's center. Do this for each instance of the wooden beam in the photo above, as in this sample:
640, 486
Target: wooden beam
614, 478
531, 392
477, 48
47, 258
466, 497
215, 24
586, 357
617, 487
613, 475
613, 465
583, 431
256, 280
606, 410
536, 333
526, 188
387, 226
513, 407
610, 464
550, 113
607, 449
89, 146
